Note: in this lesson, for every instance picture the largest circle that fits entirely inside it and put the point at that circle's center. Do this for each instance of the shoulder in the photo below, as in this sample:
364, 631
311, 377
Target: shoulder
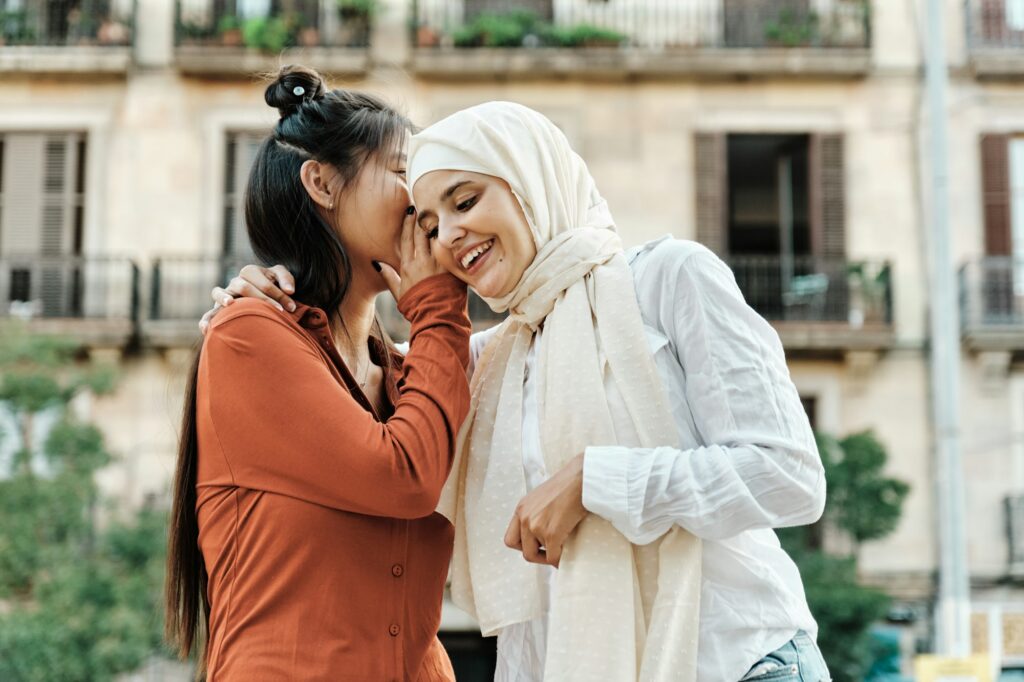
667, 263
253, 320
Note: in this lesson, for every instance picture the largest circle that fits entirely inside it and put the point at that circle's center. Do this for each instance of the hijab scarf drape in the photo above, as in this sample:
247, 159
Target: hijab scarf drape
621, 613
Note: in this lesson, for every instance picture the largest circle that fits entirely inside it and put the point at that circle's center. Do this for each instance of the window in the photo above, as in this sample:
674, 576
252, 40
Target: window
238, 157
1015, 15
42, 188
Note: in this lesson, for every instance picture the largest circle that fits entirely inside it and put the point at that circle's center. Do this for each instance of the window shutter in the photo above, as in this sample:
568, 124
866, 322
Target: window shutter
37, 217
995, 184
241, 151
712, 191
828, 197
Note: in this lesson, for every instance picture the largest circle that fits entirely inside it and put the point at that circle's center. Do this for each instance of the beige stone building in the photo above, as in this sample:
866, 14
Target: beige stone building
788, 135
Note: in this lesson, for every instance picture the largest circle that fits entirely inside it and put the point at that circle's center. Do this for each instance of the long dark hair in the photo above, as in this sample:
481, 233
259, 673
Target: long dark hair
338, 127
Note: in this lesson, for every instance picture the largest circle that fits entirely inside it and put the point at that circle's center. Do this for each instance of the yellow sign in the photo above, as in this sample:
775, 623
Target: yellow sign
941, 669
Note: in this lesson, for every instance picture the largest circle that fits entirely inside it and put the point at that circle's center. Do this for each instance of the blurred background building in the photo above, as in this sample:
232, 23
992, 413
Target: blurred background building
786, 135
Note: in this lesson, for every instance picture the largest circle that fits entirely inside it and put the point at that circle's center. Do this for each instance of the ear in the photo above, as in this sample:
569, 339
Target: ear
316, 178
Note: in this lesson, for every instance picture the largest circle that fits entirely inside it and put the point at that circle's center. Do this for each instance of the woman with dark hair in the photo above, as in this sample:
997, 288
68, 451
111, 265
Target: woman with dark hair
303, 542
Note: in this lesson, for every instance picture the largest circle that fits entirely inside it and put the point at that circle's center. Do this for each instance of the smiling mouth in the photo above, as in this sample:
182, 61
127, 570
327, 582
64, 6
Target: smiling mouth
473, 256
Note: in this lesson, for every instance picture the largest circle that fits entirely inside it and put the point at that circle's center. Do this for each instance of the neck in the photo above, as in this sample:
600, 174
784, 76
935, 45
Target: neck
357, 312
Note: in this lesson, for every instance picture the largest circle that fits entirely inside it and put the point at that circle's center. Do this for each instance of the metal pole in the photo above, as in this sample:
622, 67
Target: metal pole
953, 634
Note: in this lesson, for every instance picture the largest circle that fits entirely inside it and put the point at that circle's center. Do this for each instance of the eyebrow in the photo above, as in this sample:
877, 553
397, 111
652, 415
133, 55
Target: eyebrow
444, 197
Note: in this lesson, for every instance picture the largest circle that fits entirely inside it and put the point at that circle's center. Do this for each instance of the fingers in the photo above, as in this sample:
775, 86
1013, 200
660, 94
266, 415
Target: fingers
531, 545
284, 279
222, 297
257, 282
204, 321
512, 537
392, 279
408, 232
240, 288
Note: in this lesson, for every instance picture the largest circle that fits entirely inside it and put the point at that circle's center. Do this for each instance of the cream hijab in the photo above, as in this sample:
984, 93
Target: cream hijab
621, 613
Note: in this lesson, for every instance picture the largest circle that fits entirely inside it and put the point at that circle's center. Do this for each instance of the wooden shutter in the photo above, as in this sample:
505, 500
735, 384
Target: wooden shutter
41, 194
241, 150
712, 191
995, 189
827, 197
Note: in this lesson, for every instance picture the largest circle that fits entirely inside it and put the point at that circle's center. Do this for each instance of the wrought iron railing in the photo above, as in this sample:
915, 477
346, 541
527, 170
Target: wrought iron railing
661, 24
992, 292
274, 26
180, 289
811, 289
180, 286
67, 22
82, 287
994, 24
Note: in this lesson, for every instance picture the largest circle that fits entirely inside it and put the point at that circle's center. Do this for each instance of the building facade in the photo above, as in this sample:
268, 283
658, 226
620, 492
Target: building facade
787, 135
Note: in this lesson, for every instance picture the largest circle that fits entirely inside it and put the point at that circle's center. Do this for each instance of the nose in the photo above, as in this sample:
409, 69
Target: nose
449, 233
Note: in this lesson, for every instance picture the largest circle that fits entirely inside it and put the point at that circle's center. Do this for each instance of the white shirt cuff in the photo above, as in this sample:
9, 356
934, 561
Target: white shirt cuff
605, 483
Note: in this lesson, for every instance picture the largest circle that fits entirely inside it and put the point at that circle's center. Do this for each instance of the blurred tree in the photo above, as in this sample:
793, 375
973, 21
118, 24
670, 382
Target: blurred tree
76, 602
863, 504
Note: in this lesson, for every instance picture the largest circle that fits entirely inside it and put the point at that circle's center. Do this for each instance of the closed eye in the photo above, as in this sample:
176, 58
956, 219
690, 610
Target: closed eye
432, 234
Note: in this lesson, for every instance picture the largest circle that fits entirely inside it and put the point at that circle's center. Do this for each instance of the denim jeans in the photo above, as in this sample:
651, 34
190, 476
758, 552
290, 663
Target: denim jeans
799, 660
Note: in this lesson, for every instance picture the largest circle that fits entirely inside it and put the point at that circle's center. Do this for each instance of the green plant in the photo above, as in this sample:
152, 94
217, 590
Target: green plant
229, 22
866, 505
582, 35
270, 34
14, 28
498, 30
792, 28
80, 602
366, 8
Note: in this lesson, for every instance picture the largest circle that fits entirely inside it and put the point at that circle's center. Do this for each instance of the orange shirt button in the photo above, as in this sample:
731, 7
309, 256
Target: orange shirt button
394, 630
397, 570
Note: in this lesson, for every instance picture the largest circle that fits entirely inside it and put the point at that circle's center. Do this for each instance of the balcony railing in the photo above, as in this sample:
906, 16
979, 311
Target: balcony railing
818, 303
992, 301
79, 287
254, 26
658, 24
107, 23
180, 294
995, 24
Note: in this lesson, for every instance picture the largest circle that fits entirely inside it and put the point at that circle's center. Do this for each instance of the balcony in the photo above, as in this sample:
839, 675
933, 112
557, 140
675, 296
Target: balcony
820, 305
179, 294
995, 38
66, 37
640, 38
92, 299
228, 38
992, 304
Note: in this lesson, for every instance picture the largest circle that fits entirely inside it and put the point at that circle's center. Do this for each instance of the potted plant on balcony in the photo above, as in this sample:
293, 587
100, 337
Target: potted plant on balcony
792, 29
269, 34
583, 35
511, 29
229, 28
356, 20
868, 287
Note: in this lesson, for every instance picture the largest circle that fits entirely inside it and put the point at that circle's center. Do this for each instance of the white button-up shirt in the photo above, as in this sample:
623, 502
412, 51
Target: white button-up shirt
748, 464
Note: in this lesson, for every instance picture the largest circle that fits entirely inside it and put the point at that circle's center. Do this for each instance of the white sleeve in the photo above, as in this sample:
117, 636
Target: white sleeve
759, 467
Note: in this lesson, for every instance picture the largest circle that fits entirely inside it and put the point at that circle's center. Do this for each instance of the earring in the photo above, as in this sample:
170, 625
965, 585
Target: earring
331, 207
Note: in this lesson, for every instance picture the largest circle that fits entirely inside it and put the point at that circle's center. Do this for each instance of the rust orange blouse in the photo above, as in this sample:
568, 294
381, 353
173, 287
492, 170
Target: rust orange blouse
316, 523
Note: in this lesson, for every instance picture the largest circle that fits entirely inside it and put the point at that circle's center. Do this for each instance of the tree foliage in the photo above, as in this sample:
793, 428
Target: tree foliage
866, 505
78, 602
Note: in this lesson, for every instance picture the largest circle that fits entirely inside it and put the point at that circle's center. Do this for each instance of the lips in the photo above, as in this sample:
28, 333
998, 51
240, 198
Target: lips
472, 254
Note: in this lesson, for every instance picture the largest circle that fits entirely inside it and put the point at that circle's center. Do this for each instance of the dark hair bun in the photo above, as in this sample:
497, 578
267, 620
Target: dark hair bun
293, 86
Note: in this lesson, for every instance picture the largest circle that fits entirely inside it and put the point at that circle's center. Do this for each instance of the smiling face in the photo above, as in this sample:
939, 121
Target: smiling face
478, 230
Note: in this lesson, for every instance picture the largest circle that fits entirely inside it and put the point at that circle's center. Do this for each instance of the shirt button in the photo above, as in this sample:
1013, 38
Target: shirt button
397, 570
394, 630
